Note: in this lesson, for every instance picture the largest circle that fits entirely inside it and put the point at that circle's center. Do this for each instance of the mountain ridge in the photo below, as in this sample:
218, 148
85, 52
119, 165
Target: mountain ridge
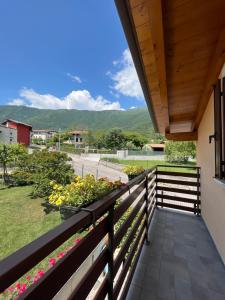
137, 119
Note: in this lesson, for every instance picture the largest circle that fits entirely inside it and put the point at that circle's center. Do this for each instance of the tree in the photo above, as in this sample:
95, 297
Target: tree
180, 151
136, 139
115, 139
8, 154
89, 139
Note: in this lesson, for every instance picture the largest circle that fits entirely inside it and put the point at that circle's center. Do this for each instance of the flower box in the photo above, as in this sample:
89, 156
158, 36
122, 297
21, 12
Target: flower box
132, 176
80, 193
133, 171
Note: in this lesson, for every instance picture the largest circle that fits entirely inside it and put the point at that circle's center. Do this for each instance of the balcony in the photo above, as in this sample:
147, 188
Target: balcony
158, 252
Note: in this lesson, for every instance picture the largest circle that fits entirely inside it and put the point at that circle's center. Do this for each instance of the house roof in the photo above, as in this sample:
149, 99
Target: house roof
178, 48
1, 125
157, 145
17, 122
78, 132
43, 130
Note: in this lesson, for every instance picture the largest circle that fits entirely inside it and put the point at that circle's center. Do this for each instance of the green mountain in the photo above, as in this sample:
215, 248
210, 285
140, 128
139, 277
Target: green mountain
132, 120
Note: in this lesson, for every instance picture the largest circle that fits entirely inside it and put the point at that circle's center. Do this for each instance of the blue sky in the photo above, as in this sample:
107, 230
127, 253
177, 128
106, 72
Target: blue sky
65, 54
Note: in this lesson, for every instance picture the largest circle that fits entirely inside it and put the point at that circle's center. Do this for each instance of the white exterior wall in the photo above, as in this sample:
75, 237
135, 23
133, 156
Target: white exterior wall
212, 190
8, 135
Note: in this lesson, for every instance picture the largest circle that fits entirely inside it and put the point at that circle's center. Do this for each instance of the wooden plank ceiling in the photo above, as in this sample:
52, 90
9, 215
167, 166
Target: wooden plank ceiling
181, 44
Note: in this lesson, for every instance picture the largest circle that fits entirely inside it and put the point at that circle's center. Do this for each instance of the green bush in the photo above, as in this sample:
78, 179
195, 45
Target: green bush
40, 168
180, 152
71, 149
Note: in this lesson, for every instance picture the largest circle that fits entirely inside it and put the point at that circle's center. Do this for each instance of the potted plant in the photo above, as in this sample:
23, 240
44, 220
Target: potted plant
133, 171
81, 192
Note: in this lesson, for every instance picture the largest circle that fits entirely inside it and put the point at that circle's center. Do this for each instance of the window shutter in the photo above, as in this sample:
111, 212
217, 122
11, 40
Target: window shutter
223, 130
218, 129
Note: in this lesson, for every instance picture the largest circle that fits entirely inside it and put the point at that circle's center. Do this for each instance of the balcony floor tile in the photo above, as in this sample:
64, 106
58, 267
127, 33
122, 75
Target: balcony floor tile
181, 262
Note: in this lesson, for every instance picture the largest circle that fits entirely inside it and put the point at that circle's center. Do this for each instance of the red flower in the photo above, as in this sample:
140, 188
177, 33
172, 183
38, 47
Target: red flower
28, 278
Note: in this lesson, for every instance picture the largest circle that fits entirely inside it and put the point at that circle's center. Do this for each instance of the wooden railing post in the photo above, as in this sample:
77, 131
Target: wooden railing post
146, 209
110, 251
162, 199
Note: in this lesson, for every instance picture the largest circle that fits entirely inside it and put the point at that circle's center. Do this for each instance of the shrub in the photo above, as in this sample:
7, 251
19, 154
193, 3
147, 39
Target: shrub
180, 151
40, 168
82, 191
133, 170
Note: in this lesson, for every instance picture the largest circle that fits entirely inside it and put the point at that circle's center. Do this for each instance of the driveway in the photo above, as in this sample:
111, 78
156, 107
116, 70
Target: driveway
83, 166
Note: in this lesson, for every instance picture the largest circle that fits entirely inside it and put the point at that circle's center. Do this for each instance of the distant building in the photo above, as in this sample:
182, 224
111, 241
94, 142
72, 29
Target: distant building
42, 134
8, 135
23, 130
78, 138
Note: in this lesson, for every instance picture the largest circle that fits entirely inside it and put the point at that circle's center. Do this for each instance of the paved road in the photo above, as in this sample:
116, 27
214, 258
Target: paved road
83, 166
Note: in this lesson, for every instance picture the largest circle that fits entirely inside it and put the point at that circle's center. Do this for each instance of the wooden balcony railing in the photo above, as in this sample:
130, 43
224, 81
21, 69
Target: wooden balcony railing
178, 190
140, 196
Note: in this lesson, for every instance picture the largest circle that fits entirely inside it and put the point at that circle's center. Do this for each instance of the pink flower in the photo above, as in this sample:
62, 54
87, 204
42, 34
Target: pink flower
77, 240
18, 285
61, 254
52, 261
28, 278
41, 273
23, 289
11, 289
35, 279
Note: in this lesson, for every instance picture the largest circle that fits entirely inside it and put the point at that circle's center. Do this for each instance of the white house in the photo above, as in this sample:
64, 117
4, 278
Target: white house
42, 134
8, 135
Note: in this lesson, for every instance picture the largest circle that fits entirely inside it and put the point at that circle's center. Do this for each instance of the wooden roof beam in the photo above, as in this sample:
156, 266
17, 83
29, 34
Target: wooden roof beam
182, 136
157, 32
214, 70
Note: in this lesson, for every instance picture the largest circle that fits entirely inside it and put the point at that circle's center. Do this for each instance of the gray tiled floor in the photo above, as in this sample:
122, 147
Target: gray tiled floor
180, 263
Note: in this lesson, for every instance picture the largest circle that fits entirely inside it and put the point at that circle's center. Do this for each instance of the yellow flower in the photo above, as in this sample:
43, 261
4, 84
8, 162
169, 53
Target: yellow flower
55, 187
58, 202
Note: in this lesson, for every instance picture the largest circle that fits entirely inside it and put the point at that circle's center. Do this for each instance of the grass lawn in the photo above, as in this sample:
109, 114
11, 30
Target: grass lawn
22, 219
147, 164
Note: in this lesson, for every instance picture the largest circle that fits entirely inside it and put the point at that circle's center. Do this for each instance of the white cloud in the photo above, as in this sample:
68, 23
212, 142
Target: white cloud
80, 99
133, 107
17, 102
74, 78
125, 79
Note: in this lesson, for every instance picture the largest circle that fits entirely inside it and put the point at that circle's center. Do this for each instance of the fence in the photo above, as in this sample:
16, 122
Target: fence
141, 195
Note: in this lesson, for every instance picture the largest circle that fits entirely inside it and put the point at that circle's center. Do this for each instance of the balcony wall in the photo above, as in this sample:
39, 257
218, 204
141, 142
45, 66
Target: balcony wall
212, 191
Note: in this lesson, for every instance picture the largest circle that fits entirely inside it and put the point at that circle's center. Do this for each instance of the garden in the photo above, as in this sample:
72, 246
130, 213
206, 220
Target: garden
36, 194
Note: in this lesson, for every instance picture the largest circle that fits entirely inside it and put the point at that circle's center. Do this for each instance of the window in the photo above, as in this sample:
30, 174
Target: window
219, 123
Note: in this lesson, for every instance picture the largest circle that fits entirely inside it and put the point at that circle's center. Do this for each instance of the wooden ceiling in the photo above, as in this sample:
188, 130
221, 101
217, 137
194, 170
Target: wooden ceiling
180, 45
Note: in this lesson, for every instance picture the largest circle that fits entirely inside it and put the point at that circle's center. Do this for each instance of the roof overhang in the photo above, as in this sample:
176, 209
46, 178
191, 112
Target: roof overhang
178, 48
